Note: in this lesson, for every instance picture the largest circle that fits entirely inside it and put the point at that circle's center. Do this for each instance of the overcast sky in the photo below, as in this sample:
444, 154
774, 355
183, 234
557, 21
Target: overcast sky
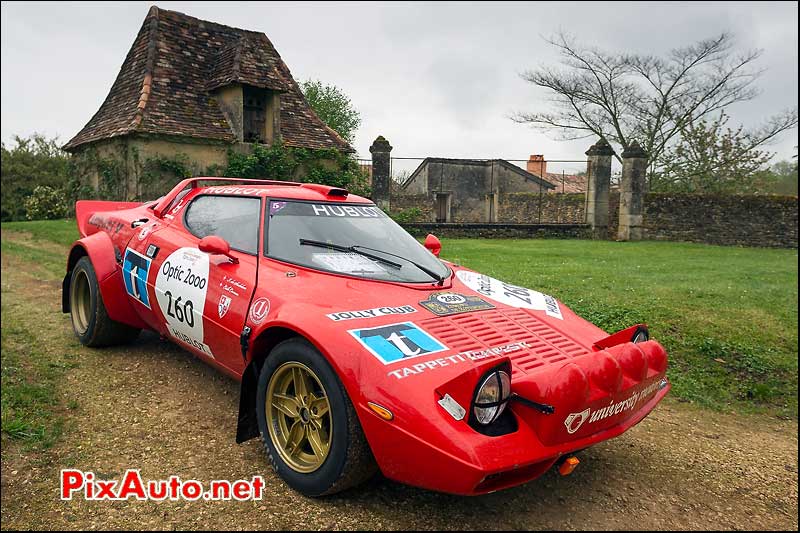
434, 79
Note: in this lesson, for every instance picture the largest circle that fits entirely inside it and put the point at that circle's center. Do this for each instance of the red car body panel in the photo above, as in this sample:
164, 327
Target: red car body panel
598, 385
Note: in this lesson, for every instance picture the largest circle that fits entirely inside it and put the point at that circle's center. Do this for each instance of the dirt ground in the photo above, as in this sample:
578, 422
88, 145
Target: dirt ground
154, 407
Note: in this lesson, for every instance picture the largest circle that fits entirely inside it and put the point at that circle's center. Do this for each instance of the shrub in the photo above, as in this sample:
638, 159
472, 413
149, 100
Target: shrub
46, 203
405, 216
287, 163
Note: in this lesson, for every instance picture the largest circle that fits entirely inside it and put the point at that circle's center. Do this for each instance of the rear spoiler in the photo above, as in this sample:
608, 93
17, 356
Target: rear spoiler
191, 183
84, 209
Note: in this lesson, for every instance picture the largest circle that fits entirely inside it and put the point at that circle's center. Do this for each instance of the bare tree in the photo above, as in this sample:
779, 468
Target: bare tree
622, 97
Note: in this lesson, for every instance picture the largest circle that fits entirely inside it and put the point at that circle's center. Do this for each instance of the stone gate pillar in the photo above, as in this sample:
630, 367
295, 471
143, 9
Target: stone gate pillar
598, 185
381, 172
631, 194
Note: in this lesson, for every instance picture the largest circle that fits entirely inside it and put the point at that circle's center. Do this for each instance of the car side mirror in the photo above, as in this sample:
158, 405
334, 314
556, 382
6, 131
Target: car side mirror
433, 244
213, 244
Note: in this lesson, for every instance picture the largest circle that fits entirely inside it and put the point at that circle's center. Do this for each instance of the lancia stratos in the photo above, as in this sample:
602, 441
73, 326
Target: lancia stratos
357, 348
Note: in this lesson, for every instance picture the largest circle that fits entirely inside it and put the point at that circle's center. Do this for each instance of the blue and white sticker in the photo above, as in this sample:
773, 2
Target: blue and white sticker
396, 342
135, 268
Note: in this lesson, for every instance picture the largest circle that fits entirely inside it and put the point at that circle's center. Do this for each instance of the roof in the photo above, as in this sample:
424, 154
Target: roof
567, 183
164, 84
480, 162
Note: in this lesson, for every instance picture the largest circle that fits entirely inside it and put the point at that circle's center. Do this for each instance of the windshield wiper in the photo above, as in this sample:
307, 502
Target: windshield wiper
351, 249
431, 273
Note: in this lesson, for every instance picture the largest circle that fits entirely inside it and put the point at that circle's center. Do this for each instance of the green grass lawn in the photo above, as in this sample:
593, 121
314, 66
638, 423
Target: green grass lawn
727, 315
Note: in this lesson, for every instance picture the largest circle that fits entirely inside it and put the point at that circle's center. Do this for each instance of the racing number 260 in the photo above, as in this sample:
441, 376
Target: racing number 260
182, 312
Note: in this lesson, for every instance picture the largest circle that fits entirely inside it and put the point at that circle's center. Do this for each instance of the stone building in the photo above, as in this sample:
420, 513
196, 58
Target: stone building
194, 89
468, 190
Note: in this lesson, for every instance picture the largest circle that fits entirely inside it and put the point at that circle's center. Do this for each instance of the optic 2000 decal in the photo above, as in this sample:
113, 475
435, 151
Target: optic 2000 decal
181, 287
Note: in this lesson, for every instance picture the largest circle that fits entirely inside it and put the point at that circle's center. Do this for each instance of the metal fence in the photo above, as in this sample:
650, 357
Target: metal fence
566, 175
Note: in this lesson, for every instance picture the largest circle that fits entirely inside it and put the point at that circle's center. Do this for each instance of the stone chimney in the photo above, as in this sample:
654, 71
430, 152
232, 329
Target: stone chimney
537, 165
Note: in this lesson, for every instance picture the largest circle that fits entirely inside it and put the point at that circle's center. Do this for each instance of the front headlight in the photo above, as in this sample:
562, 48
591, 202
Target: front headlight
492, 397
641, 335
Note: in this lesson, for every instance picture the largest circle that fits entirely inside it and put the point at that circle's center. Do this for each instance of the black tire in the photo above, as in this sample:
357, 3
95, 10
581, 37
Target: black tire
349, 461
90, 319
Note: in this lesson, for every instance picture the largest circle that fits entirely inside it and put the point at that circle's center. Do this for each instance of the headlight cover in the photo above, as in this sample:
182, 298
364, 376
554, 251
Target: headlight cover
492, 397
641, 335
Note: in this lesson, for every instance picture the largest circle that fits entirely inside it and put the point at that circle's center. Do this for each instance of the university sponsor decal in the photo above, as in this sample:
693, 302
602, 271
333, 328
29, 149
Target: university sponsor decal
574, 421
508, 294
371, 313
472, 355
259, 310
181, 288
397, 341
450, 303
223, 305
135, 268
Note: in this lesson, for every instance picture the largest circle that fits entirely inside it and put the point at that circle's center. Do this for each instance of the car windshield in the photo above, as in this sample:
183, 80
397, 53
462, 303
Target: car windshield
353, 239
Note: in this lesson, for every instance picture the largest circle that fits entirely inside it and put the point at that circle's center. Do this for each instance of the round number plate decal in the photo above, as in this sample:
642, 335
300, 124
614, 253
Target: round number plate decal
508, 294
181, 287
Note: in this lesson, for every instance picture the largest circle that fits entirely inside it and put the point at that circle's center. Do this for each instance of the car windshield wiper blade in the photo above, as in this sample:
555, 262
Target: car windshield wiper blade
351, 249
428, 271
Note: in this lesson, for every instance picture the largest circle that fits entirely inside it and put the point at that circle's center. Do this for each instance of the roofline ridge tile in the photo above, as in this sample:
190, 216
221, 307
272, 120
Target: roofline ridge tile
149, 66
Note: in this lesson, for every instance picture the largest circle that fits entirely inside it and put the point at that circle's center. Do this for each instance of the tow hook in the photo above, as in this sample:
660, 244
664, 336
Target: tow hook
567, 465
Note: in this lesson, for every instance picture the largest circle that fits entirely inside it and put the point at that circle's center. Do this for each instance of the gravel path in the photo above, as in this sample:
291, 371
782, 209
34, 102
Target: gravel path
152, 406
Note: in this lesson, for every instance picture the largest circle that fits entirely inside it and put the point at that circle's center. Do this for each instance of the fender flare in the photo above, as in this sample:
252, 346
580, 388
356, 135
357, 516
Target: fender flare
255, 352
106, 260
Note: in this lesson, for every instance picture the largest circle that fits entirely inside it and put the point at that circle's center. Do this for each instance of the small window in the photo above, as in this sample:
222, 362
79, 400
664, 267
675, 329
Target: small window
254, 109
233, 218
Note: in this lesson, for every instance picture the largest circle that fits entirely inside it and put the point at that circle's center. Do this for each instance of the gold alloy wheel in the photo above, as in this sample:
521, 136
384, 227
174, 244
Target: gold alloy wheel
81, 302
299, 417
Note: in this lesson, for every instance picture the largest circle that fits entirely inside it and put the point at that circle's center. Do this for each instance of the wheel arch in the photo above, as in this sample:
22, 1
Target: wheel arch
265, 341
105, 259
262, 345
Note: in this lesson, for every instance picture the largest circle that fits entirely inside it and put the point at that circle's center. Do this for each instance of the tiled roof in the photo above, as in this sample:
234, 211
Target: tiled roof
164, 83
567, 183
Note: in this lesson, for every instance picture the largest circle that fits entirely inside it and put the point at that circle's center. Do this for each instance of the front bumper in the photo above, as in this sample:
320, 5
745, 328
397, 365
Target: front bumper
492, 463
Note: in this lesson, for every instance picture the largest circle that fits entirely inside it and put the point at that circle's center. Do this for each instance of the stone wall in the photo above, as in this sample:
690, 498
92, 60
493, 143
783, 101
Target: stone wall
762, 221
411, 201
512, 208
767, 221
501, 231
527, 208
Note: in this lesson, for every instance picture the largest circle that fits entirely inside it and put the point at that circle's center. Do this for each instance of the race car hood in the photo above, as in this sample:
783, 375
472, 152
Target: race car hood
407, 346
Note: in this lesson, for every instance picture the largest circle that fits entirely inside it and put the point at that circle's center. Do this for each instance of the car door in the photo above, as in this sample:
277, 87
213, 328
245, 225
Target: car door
202, 299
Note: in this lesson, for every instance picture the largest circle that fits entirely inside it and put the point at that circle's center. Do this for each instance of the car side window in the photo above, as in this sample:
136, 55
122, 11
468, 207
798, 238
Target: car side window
234, 218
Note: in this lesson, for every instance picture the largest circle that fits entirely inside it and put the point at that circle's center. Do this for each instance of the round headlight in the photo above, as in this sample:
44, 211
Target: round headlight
641, 336
491, 398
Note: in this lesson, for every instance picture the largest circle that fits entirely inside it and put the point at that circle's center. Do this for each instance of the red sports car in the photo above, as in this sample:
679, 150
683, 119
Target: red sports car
356, 347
